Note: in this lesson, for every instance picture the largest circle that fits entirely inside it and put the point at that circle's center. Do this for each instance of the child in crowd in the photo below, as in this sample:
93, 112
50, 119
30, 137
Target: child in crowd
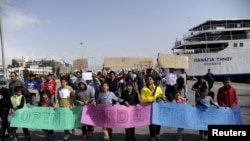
46, 102
205, 101
85, 94
180, 100
18, 101
65, 96
130, 97
107, 97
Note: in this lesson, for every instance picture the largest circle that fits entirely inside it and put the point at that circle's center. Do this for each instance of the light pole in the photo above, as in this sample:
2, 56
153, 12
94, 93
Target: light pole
81, 49
2, 48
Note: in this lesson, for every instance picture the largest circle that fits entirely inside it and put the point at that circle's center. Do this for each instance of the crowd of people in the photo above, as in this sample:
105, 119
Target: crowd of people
125, 88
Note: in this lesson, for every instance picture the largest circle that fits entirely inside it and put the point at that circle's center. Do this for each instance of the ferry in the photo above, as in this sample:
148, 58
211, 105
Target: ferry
220, 45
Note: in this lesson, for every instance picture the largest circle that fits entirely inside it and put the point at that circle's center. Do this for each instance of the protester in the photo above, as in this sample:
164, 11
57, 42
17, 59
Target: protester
113, 81
46, 102
65, 96
209, 77
180, 100
197, 85
85, 94
150, 93
130, 97
170, 78
18, 101
5, 105
50, 84
227, 96
204, 101
107, 97
14, 82
32, 86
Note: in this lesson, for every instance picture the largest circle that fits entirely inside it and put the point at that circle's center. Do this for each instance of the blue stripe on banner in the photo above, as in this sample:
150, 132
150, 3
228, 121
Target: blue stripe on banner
191, 117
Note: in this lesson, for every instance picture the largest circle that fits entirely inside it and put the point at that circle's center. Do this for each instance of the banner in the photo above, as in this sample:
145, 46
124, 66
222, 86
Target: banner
47, 118
172, 61
190, 117
117, 116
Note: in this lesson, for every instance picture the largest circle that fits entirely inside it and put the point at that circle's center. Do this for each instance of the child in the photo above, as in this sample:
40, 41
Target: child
84, 95
65, 95
46, 102
205, 101
130, 97
18, 101
106, 97
180, 100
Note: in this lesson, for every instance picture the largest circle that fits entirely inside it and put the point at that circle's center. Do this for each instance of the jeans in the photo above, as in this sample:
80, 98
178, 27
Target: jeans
130, 133
4, 122
52, 97
154, 130
87, 128
185, 88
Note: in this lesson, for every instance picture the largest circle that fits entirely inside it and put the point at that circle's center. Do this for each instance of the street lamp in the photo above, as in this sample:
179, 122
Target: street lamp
81, 49
2, 48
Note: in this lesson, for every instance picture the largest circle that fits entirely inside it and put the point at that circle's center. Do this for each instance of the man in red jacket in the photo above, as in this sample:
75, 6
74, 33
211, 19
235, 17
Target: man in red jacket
50, 85
227, 96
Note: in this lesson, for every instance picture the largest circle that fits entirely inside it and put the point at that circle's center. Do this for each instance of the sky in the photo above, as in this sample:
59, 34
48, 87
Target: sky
106, 28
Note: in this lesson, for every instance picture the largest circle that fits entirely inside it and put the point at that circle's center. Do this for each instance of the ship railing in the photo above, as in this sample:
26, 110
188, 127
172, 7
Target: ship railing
217, 37
223, 26
199, 29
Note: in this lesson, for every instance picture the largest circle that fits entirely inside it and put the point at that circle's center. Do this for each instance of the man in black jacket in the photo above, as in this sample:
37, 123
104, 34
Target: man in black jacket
5, 105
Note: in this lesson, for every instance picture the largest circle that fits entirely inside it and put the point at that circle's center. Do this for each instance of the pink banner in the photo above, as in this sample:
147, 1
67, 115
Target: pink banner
117, 116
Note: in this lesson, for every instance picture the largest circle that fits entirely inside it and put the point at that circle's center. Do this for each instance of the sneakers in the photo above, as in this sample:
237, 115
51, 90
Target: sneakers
158, 138
15, 139
73, 131
84, 137
205, 137
66, 137
179, 138
153, 139
106, 139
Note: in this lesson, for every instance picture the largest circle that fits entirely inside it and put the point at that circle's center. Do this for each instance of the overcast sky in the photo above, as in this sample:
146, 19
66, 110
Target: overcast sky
107, 28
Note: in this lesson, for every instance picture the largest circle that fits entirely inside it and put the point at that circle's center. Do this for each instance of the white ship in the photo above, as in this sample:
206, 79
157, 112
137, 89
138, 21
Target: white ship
220, 45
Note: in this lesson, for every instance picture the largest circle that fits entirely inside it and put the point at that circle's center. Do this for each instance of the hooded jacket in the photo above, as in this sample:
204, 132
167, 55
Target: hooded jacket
85, 94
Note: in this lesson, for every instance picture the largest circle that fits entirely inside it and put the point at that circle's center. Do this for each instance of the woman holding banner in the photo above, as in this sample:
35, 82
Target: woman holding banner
150, 93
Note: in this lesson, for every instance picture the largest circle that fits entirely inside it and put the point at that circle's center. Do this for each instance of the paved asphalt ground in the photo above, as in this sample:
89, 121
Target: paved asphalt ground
142, 133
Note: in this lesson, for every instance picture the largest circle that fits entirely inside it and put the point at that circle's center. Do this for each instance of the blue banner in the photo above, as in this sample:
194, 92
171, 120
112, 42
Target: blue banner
191, 117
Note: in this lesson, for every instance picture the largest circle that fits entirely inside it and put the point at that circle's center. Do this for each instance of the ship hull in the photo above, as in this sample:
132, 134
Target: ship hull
233, 65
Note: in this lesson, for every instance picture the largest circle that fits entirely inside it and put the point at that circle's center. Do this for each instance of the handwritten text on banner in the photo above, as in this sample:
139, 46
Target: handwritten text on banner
117, 116
190, 117
47, 118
